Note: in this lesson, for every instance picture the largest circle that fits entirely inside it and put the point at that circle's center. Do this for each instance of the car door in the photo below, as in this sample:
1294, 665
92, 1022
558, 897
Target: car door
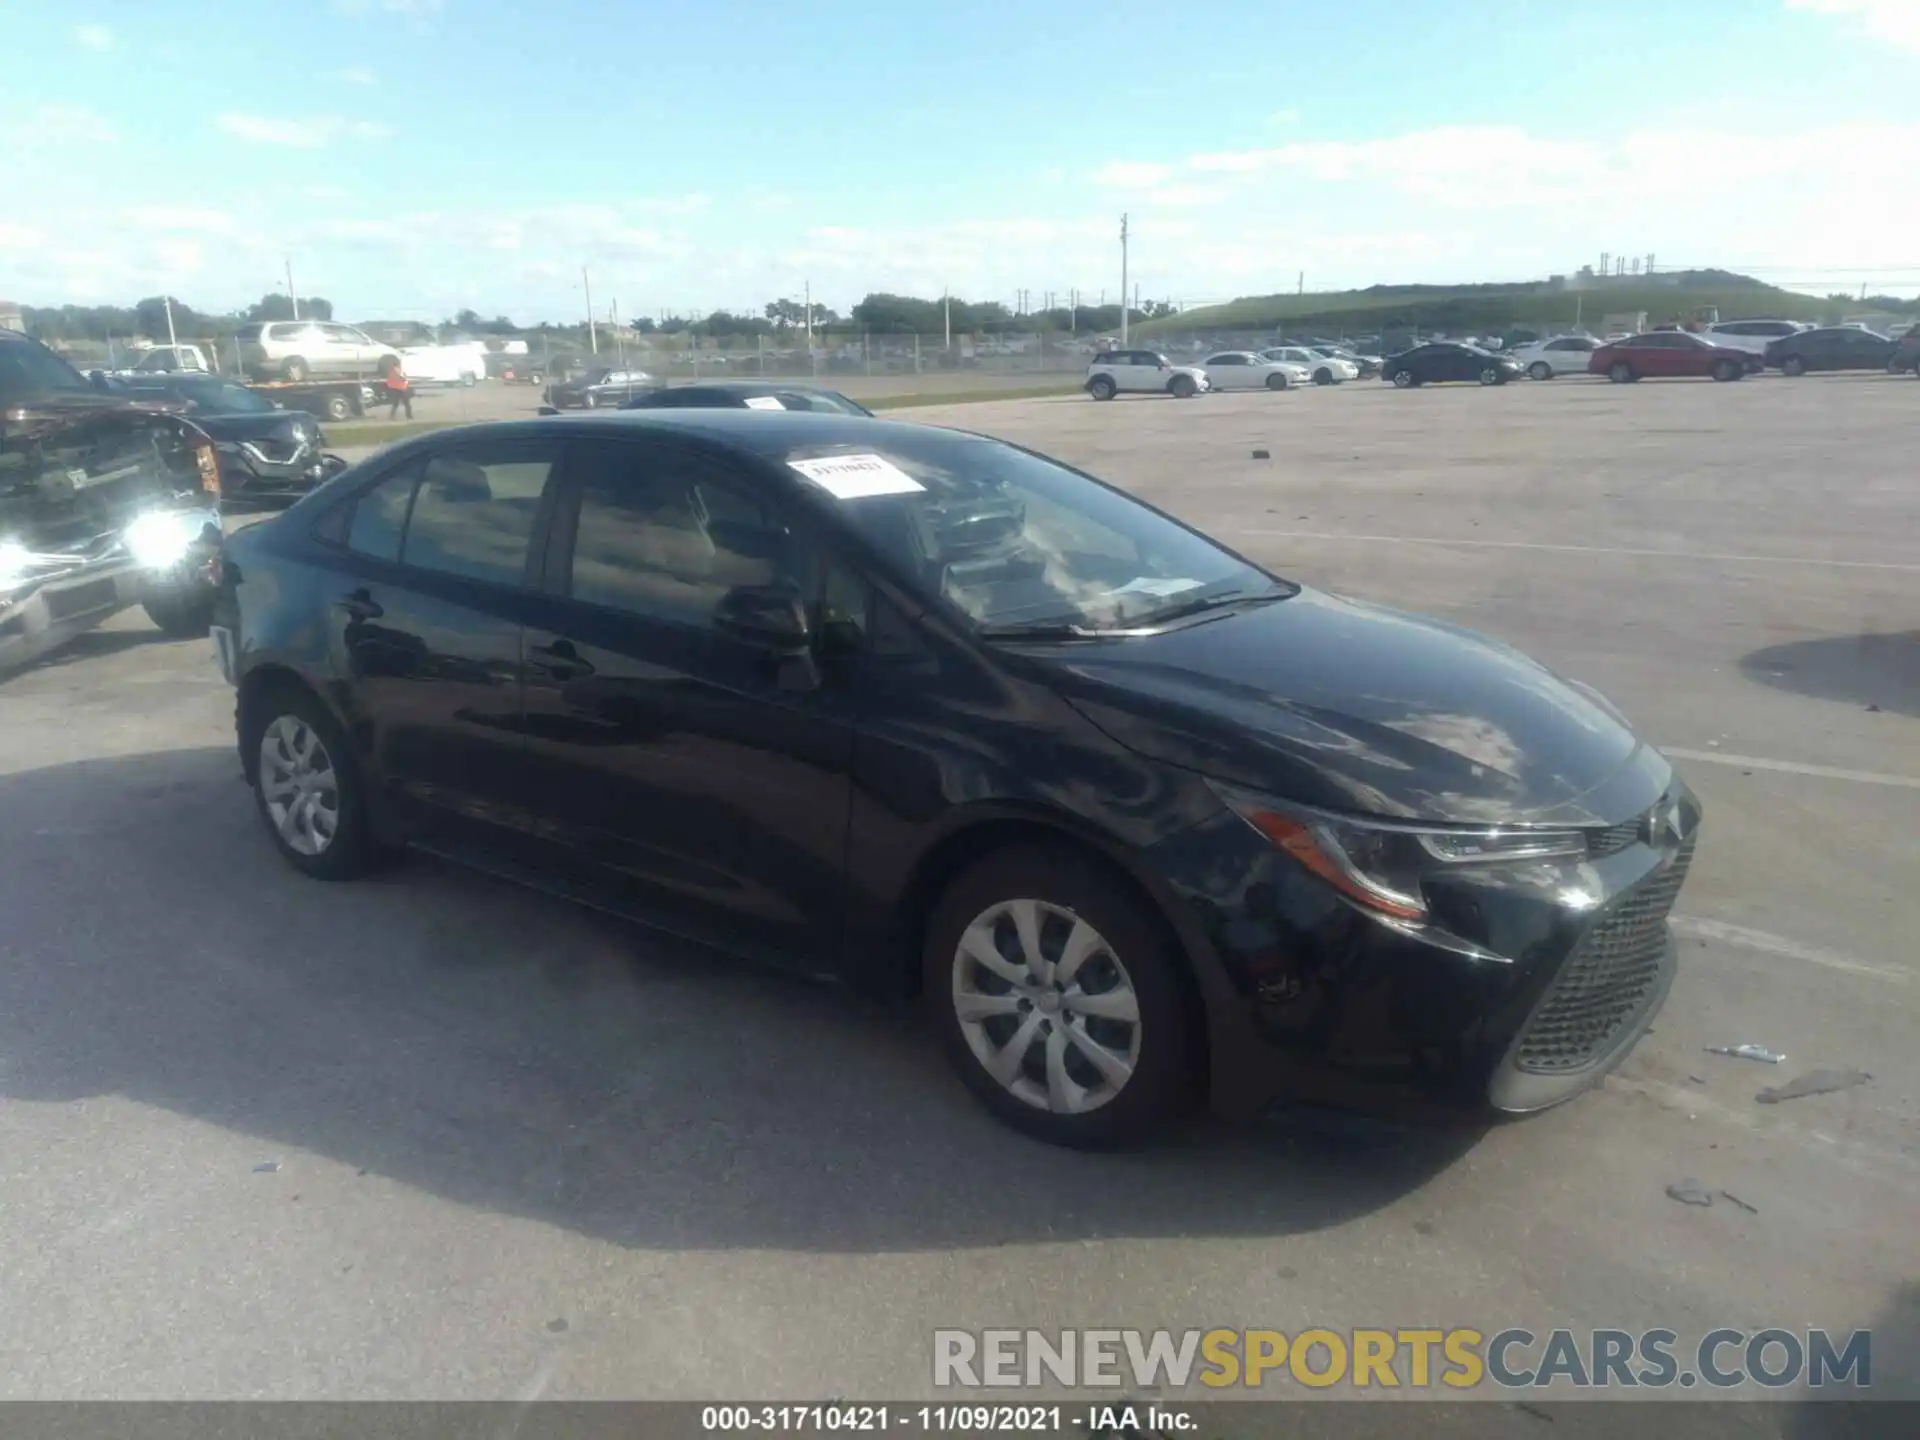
1569, 355
1865, 350
1228, 372
1454, 362
697, 774
426, 618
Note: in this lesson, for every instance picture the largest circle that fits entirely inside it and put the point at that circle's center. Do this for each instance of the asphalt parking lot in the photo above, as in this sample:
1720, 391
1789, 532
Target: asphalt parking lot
525, 1151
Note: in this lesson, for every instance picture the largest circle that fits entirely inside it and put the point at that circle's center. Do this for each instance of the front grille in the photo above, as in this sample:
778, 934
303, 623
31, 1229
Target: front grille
1606, 980
1613, 839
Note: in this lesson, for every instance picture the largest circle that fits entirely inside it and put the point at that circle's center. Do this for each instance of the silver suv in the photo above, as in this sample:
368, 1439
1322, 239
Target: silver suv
304, 349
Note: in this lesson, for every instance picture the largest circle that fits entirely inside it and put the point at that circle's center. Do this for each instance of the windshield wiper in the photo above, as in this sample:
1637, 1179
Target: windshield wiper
1041, 630
1200, 606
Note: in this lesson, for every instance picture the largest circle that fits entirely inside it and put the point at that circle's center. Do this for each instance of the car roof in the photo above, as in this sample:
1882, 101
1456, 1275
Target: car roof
756, 387
765, 433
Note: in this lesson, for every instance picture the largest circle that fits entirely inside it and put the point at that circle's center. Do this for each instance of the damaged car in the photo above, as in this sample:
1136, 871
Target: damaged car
105, 503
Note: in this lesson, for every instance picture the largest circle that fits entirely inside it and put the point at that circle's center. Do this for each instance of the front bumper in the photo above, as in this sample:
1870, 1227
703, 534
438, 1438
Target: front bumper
62, 600
1319, 1003
252, 482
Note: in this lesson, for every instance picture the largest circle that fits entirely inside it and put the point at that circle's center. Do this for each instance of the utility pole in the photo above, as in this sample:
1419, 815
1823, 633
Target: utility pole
619, 341
1300, 287
946, 306
292, 294
175, 343
1073, 312
1123, 280
813, 362
593, 331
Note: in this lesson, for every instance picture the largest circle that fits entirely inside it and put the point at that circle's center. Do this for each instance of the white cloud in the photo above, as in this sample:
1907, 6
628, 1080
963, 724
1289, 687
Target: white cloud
49, 125
93, 37
180, 219
309, 133
1892, 22
1131, 175
355, 75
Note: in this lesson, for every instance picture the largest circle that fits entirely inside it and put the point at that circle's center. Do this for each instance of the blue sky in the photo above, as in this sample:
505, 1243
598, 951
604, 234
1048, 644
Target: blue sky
413, 157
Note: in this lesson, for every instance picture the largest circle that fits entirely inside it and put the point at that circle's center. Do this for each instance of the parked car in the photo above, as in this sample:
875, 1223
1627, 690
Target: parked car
1244, 370
1366, 365
599, 389
1143, 372
105, 503
1562, 355
1906, 352
268, 456
302, 349
464, 365
164, 359
746, 395
518, 370
1666, 354
918, 709
1443, 360
1753, 336
1322, 369
1835, 347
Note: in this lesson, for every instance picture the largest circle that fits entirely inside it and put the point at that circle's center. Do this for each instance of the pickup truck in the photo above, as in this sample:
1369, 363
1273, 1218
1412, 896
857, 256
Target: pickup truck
166, 359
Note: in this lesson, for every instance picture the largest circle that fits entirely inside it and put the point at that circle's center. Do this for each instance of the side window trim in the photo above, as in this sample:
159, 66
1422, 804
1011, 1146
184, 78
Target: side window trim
347, 503
533, 564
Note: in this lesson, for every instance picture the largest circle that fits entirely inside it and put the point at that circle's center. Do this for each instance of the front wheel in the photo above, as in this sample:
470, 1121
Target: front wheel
1102, 388
307, 787
590, 401
338, 407
185, 615
1323, 376
1793, 365
1276, 382
1058, 1001
468, 380
1725, 370
1620, 372
1492, 375
1540, 370
1403, 380
1181, 387
294, 370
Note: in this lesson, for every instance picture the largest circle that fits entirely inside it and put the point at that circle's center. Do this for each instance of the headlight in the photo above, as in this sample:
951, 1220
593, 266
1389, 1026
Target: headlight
1379, 864
13, 563
159, 540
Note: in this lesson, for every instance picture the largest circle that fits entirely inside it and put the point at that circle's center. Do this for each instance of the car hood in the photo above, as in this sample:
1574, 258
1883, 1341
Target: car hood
74, 467
1356, 708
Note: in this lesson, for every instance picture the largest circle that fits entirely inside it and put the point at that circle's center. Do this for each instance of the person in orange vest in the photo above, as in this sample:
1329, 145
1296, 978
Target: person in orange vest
399, 392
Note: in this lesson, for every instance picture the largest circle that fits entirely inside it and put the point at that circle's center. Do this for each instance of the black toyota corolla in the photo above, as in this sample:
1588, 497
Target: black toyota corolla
1141, 821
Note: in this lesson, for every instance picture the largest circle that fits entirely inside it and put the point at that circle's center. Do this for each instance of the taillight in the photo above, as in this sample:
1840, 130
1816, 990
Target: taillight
208, 464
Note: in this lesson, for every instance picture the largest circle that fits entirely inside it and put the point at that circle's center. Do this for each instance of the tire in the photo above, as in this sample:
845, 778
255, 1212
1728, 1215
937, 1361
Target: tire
1276, 382
1540, 370
1101, 387
468, 379
1793, 365
1725, 370
1621, 373
278, 718
1323, 376
184, 616
338, 407
1132, 959
294, 369
1181, 387
589, 401
1403, 380
1492, 376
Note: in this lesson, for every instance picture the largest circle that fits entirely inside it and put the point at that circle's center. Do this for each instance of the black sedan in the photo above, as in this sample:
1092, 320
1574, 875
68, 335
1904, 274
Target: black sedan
268, 455
1836, 347
1139, 820
747, 395
1449, 360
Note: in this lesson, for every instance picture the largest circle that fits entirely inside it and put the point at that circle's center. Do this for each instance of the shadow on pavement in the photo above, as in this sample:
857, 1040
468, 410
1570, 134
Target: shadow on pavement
92, 645
1882, 670
506, 1050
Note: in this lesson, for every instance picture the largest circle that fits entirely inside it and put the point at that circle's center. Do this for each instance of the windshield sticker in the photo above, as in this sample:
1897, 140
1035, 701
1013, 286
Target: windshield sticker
1153, 585
854, 477
764, 402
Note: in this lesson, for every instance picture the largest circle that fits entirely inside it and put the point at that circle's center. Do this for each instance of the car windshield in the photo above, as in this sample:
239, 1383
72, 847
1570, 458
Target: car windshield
27, 368
1010, 540
223, 397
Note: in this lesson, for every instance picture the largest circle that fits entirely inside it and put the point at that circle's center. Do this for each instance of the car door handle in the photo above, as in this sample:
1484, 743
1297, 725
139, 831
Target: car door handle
361, 606
560, 661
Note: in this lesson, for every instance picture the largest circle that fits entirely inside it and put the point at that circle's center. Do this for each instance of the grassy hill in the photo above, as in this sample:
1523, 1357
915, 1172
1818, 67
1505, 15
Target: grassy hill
1479, 309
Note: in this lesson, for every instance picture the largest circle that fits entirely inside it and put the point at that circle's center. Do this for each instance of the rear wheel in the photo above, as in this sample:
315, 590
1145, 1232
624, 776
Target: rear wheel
1323, 376
1276, 382
1540, 370
1057, 997
1181, 387
1492, 375
338, 407
295, 369
1725, 370
1101, 387
1793, 365
1621, 373
1403, 380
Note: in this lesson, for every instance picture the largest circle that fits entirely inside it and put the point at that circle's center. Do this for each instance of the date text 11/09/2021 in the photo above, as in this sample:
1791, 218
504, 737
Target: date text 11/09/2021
1092, 1421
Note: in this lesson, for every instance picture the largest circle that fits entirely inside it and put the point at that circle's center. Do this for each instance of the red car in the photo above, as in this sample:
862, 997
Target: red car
1664, 353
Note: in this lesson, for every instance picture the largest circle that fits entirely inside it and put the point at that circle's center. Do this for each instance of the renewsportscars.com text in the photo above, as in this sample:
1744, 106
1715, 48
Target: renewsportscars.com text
1456, 1359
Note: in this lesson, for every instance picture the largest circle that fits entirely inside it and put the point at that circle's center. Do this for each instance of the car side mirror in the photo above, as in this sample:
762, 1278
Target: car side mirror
769, 615
546, 410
